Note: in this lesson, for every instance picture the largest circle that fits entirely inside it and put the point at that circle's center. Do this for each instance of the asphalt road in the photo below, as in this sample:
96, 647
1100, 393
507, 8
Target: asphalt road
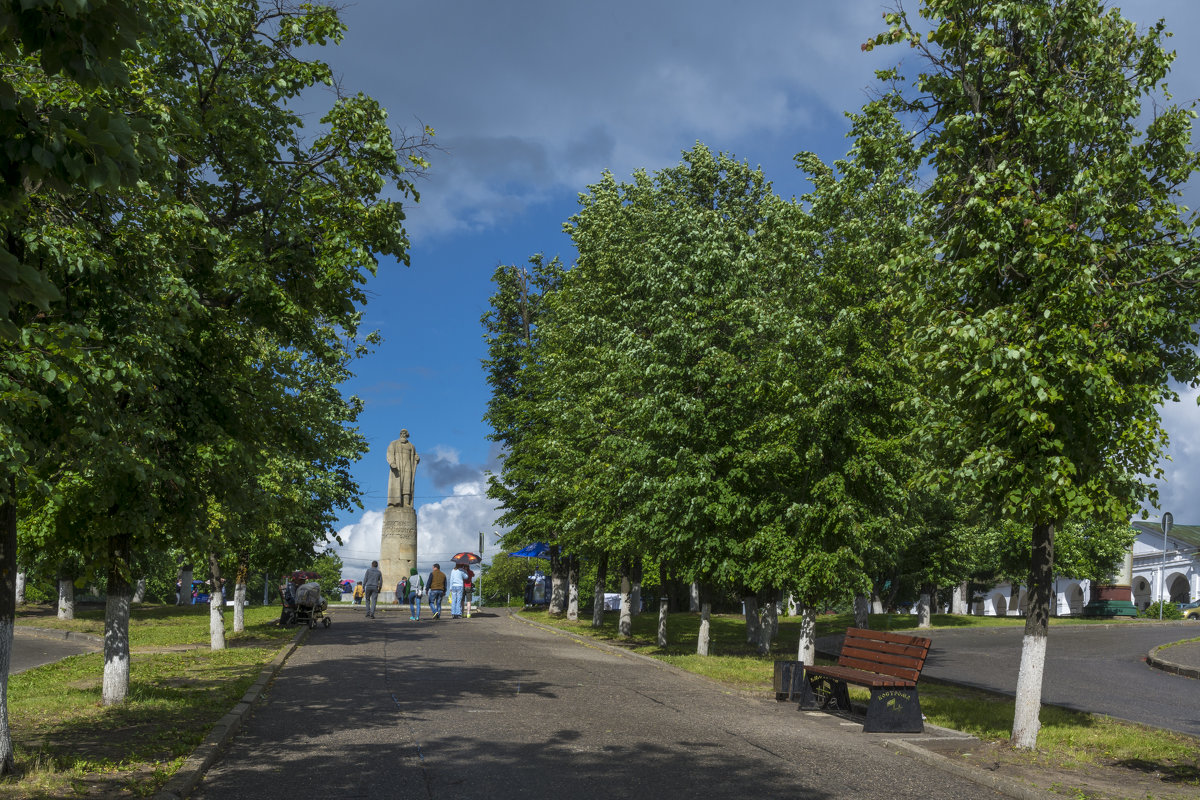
493, 708
33, 650
1093, 668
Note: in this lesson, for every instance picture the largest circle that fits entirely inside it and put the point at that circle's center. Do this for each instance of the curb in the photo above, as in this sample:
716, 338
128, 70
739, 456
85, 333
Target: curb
1002, 785
904, 747
187, 778
59, 633
1154, 660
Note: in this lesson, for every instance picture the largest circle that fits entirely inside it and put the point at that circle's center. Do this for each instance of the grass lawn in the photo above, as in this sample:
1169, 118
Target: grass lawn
67, 744
1079, 755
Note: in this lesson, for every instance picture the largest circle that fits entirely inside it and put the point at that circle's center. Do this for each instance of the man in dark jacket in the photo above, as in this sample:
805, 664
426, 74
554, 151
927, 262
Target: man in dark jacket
437, 589
372, 583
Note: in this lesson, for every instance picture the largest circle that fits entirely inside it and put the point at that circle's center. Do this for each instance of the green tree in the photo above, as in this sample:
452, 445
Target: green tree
850, 504
1056, 300
665, 380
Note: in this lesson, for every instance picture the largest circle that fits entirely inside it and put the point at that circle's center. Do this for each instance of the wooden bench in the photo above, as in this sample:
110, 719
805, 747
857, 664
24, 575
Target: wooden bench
889, 664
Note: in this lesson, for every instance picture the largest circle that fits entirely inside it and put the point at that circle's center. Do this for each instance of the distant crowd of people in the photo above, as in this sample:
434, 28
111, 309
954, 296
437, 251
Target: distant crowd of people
460, 582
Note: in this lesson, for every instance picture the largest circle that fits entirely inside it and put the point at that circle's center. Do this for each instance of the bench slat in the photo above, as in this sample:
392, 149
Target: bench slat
860, 677
908, 675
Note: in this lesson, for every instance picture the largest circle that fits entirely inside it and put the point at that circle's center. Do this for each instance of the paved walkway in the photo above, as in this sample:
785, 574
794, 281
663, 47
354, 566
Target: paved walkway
494, 708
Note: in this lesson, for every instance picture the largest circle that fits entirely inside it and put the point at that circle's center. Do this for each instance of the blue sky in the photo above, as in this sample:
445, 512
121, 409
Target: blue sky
531, 101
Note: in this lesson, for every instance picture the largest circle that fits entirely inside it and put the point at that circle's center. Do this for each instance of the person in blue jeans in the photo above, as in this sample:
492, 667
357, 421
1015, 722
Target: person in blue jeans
458, 577
412, 586
436, 586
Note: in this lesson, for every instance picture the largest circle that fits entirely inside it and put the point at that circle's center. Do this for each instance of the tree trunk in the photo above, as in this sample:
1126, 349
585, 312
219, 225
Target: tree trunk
958, 601
20, 591
66, 598
558, 581
216, 606
185, 586
862, 608
664, 606
807, 651
635, 576
770, 623
925, 607
704, 636
694, 596
139, 591
8, 615
115, 686
625, 625
573, 588
598, 591
750, 612
1033, 646
239, 593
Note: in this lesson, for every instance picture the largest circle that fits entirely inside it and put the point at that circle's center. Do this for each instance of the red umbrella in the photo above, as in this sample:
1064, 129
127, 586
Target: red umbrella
466, 558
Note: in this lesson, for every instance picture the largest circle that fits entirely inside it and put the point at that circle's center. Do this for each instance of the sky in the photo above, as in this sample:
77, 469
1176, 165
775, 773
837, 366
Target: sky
531, 101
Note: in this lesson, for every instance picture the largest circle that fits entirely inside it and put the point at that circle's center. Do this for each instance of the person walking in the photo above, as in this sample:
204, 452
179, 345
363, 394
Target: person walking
409, 590
372, 583
358, 594
468, 591
436, 585
458, 577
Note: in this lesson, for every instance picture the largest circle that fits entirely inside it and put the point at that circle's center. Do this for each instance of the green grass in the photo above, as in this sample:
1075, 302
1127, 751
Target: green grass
66, 743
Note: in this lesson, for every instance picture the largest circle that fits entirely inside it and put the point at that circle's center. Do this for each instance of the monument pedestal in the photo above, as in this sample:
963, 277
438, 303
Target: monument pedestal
1111, 601
397, 547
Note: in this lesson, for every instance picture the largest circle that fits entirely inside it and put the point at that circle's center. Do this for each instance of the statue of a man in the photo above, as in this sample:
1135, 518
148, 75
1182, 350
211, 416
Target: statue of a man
403, 459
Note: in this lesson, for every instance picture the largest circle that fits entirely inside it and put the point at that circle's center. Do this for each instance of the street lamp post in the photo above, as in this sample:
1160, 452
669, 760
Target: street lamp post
1167, 521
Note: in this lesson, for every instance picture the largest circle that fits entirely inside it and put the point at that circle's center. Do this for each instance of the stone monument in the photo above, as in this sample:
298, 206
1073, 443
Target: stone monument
398, 545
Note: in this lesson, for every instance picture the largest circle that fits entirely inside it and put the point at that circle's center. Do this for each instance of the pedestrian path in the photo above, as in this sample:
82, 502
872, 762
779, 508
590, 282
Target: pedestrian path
493, 708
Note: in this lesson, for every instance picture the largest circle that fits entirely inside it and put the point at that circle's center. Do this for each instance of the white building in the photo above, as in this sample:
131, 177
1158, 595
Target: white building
1181, 576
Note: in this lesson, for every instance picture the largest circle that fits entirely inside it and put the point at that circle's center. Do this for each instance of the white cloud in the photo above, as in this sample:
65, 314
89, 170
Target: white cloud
1180, 492
454, 523
360, 544
444, 528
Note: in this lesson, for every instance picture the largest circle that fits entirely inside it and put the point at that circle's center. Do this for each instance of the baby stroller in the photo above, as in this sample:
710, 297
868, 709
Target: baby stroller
310, 606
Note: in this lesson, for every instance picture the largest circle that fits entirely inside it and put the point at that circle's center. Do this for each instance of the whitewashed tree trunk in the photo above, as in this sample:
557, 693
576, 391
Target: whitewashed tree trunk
139, 591
876, 603
115, 684
185, 586
216, 606
704, 636
573, 589
807, 651
66, 598
769, 626
1026, 721
958, 600
216, 621
862, 609
773, 616
694, 596
20, 593
792, 608
750, 612
598, 591
635, 575
925, 609
239, 608
664, 607
625, 625
558, 582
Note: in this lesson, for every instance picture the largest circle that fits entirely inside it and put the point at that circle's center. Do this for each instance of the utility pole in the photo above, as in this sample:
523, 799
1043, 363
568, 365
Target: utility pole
1168, 520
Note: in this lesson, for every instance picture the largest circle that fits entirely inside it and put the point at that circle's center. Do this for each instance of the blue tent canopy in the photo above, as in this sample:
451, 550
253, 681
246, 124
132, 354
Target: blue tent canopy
535, 550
